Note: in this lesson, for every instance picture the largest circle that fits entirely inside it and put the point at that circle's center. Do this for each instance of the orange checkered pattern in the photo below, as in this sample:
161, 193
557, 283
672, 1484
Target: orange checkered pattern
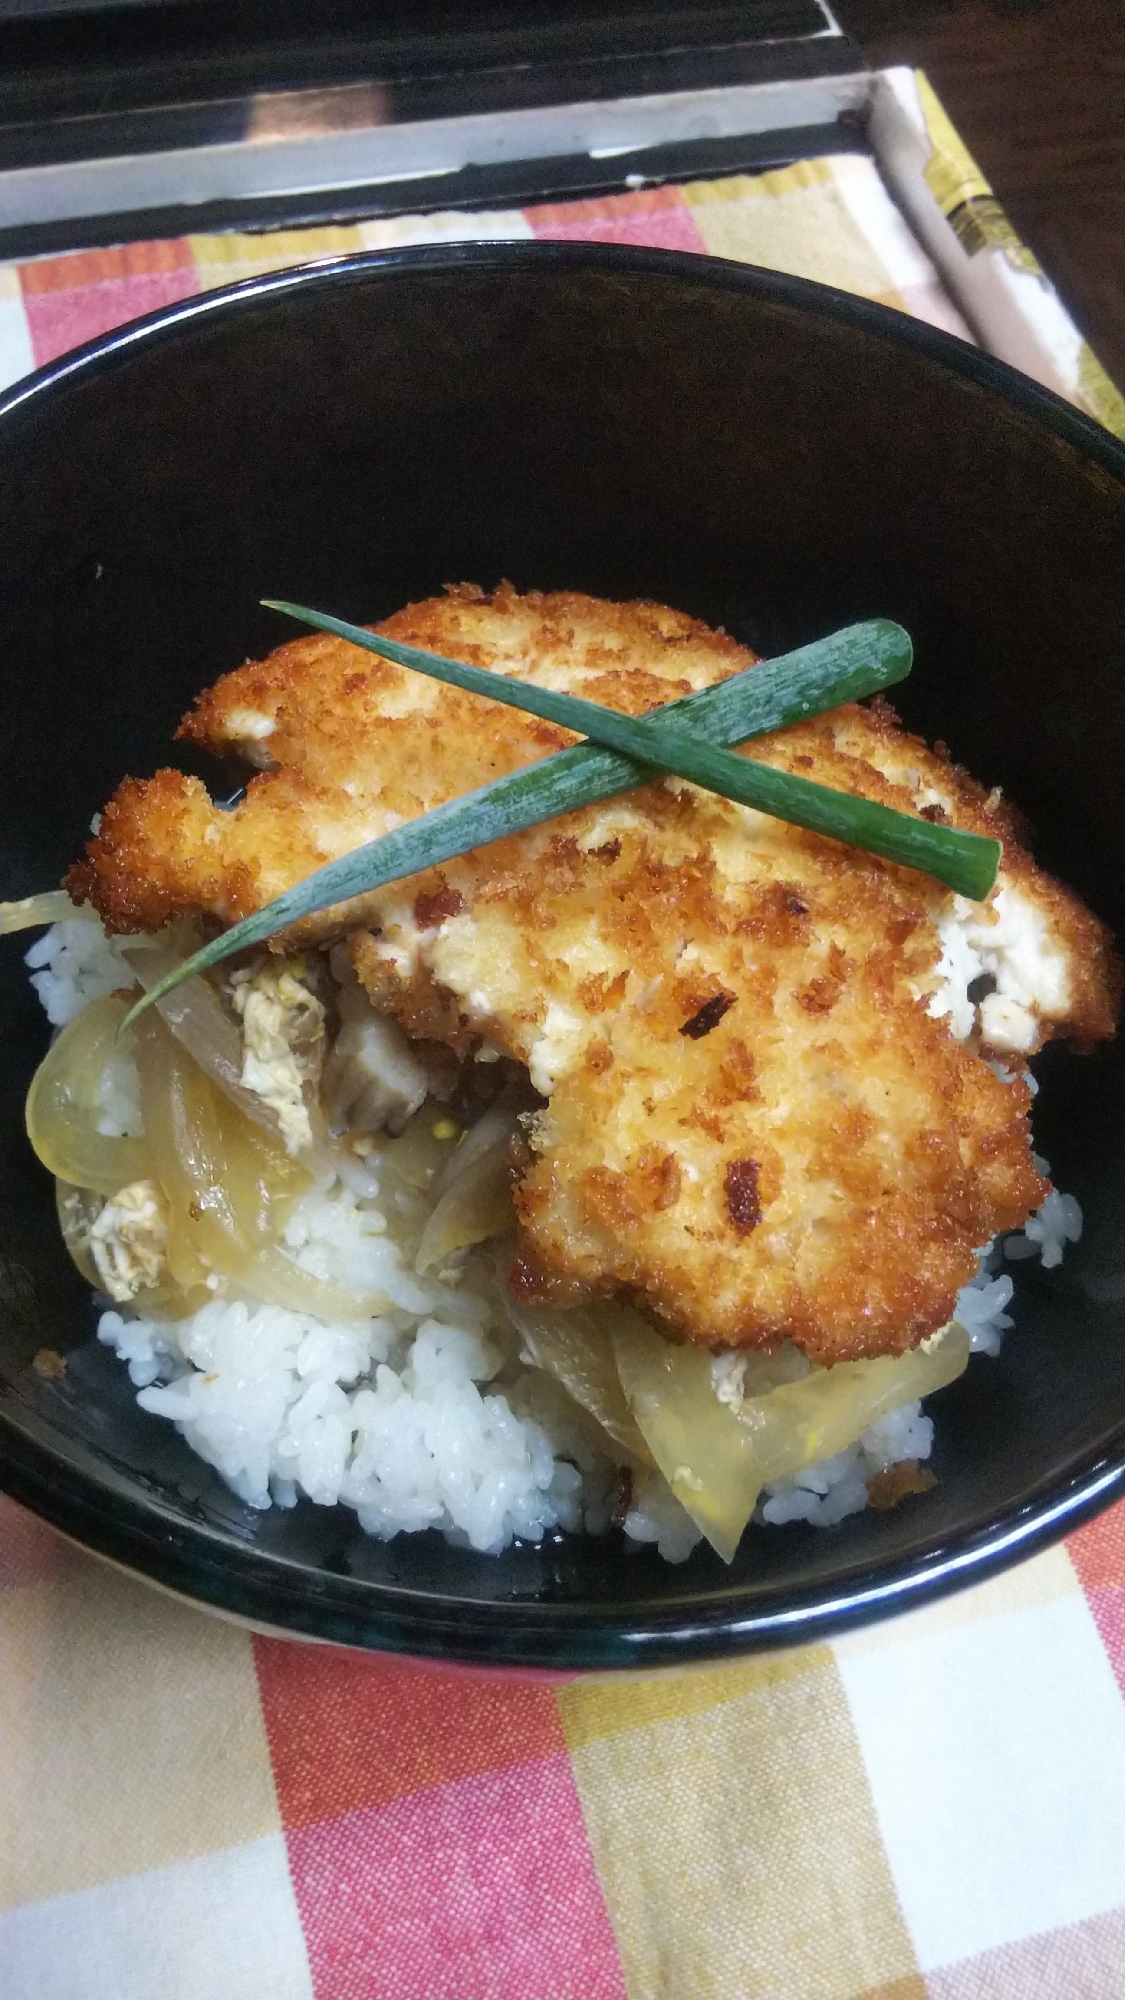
932, 1810
830, 219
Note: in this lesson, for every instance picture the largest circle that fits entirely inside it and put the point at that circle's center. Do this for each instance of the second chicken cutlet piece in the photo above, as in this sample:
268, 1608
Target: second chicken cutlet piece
769, 1110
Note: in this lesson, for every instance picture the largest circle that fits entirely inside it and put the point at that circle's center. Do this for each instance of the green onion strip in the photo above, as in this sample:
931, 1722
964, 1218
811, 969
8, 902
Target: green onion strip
772, 695
966, 862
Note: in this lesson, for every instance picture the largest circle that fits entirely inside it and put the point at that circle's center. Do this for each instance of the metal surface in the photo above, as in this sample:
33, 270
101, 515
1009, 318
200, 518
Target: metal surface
330, 159
140, 120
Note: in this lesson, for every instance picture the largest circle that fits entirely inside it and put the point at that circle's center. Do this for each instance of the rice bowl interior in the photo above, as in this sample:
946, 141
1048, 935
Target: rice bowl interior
984, 1438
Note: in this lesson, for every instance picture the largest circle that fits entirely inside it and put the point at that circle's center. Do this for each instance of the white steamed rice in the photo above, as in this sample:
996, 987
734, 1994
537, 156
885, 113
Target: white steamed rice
427, 1416
73, 963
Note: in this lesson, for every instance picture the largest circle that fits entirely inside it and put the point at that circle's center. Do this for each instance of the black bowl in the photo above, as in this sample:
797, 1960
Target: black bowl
756, 450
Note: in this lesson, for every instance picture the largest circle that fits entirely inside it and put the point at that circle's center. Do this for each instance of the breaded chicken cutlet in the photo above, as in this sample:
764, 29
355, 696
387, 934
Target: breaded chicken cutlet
770, 1108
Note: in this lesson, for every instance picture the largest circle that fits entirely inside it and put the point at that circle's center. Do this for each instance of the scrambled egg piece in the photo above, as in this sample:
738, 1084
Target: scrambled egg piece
129, 1239
283, 1042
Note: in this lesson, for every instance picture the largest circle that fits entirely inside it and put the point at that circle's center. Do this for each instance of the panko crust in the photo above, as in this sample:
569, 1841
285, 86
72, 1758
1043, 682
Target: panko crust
874, 733
818, 1166
353, 745
753, 1125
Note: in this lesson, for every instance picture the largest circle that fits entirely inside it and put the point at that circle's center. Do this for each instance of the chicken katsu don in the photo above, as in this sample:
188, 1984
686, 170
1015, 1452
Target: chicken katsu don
781, 1088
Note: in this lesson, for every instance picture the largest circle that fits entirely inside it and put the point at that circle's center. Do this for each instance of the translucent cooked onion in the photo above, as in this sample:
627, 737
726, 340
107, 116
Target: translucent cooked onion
474, 1190
78, 1209
418, 1155
228, 1185
716, 1457
491, 1134
471, 1211
200, 1022
64, 1105
576, 1348
29, 913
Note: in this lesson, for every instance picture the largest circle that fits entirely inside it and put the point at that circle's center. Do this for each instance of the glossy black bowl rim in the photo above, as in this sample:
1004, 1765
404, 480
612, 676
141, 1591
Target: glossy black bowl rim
194, 1560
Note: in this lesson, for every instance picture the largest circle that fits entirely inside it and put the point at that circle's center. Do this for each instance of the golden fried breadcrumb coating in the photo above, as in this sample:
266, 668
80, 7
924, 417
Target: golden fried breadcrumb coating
757, 1123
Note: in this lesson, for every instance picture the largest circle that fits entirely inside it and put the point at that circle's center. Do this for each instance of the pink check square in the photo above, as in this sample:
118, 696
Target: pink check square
659, 219
484, 1889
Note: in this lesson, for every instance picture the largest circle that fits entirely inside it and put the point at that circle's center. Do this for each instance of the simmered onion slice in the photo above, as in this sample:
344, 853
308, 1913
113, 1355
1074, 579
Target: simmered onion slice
416, 1156
64, 1105
198, 1019
201, 1024
52, 906
474, 1190
574, 1345
78, 1209
228, 1185
716, 1457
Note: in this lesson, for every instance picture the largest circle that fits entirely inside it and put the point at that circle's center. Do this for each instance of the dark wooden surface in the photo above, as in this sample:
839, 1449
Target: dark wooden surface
1037, 90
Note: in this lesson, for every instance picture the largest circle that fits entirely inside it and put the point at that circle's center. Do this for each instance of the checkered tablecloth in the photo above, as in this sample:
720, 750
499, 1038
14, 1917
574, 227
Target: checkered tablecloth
830, 219
933, 1810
